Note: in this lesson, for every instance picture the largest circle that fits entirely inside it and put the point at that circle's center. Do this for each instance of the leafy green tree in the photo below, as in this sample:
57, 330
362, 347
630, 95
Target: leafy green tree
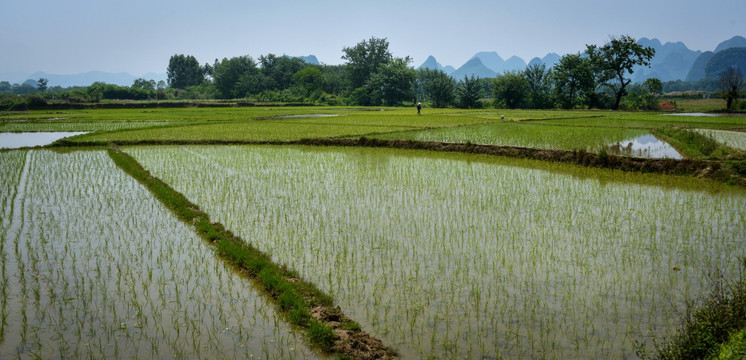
468, 92
279, 70
144, 84
731, 82
184, 71
539, 86
236, 77
41, 84
510, 90
643, 96
615, 60
310, 79
573, 80
364, 60
392, 84
334, 78
439, 87
653, 85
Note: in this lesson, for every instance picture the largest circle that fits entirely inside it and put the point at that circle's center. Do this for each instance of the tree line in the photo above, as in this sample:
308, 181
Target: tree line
599, 77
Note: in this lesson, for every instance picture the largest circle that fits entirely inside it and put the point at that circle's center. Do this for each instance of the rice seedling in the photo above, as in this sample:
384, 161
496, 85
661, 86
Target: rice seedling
448, 255
95, 268
524, 134
734, 139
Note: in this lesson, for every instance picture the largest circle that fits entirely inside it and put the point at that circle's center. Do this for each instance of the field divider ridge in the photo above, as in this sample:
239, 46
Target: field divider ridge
300, 302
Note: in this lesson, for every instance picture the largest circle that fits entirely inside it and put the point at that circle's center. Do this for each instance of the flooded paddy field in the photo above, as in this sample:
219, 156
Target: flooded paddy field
440, 255
462, 256
94, 267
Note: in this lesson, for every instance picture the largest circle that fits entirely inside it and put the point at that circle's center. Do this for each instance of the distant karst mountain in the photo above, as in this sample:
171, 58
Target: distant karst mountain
81, 79
473, 67
726, 59
672, 61
490, 64
697, 71
431, 63
311, 59
734, 42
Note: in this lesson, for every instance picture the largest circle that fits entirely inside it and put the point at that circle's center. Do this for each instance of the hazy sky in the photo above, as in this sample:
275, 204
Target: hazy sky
139, 36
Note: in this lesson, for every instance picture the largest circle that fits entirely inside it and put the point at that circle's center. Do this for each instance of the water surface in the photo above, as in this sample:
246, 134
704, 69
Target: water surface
646, 146
31, 139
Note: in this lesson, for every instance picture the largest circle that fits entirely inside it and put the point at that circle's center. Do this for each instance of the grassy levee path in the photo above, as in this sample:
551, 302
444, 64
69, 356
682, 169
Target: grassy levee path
299, 301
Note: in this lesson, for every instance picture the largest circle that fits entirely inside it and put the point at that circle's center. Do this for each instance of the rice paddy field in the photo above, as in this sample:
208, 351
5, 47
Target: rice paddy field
439, 255
462, 256
93, 267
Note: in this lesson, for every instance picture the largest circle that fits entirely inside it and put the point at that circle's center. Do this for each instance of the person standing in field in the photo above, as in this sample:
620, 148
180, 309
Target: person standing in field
419, 107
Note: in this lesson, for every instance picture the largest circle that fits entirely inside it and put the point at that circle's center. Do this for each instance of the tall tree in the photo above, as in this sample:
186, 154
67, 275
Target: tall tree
615, 60
41, 84
731, 82
235, 77
539, 86
143, 84
280, 70
439, 87
310, 79
468, 92
510, 90
391, 84
573, 80
365, 58
184, 71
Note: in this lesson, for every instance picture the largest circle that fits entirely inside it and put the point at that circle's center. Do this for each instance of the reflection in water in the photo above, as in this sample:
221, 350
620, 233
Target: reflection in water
30, 139
646, 146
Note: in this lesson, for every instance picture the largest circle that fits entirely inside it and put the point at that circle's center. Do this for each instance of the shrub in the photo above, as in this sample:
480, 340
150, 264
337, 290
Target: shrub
704, 328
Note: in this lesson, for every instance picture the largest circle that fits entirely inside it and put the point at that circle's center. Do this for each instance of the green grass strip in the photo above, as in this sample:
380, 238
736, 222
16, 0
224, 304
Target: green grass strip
698, 146
716, 328
299, 301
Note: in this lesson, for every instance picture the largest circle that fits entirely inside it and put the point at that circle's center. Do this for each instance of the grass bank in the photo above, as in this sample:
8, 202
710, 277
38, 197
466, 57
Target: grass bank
716, 329
300, 302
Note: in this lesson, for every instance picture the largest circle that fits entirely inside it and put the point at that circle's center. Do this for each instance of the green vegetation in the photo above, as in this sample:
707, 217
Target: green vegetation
579, 265
696, 145
295, 297
599, 77
524, 134
397, 236
92, 266
716, 328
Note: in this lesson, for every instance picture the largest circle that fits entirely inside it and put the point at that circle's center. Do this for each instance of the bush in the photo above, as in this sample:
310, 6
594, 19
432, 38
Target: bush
704, 329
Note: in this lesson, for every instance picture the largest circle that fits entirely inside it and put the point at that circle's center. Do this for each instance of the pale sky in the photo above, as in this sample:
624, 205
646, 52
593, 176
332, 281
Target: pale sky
139, 36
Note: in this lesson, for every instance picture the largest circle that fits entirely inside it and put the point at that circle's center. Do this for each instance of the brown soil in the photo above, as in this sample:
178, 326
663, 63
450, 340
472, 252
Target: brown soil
666, 105
356, 344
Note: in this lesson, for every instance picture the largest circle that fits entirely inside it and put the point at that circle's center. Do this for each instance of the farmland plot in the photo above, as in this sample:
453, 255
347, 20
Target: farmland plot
532, 135
456, 256
734, 139
93, 267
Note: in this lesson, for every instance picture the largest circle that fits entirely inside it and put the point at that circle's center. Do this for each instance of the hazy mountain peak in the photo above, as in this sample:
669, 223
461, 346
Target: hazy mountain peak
491, 60
474, 67
736, 41
535, 61
653, 43
311, 59
431, 63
